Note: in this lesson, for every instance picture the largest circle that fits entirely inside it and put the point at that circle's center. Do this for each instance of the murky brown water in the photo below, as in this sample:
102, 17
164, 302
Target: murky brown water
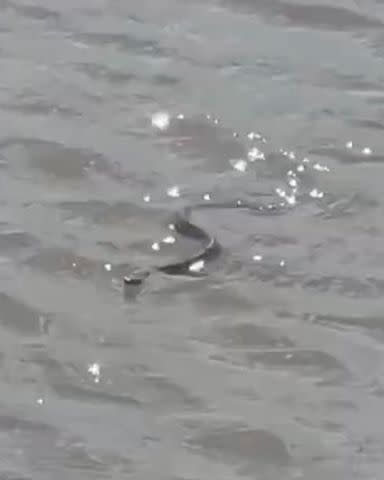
115, 114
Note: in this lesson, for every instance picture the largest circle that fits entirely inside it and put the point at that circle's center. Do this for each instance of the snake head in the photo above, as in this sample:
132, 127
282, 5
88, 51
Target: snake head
133, 283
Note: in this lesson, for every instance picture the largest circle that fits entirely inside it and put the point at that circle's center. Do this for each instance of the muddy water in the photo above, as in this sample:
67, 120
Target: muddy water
113, 116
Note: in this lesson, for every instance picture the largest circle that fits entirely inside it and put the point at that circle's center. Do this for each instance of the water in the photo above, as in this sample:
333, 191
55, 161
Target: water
115, 114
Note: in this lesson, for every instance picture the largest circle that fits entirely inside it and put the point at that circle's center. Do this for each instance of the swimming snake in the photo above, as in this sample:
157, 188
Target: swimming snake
210, 247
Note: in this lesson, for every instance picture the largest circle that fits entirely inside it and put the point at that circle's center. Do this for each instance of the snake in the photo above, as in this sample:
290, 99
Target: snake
210, 247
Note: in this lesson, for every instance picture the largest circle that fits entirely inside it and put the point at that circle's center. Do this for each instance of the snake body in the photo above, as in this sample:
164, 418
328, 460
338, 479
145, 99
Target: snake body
210, 247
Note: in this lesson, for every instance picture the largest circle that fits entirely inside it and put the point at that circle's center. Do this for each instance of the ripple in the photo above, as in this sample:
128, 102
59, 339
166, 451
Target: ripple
348, 286
249, 448
350, 156
103, 72
351, 83
351, 205
101, 212
161, 393
201, 138
68, 381
314, 16
44, 445
63, 261
165, 79
9, 423
80, 458
373, 325
304, 362
329, 17
54, 159
125, 42
247, 335
28, 105
20, 318
34, 12
15, 240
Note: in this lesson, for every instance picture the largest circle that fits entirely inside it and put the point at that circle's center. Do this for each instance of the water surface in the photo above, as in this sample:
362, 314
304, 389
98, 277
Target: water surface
115, 114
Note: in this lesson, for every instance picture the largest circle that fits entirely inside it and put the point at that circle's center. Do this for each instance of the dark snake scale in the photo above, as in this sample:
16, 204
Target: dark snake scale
210, 247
